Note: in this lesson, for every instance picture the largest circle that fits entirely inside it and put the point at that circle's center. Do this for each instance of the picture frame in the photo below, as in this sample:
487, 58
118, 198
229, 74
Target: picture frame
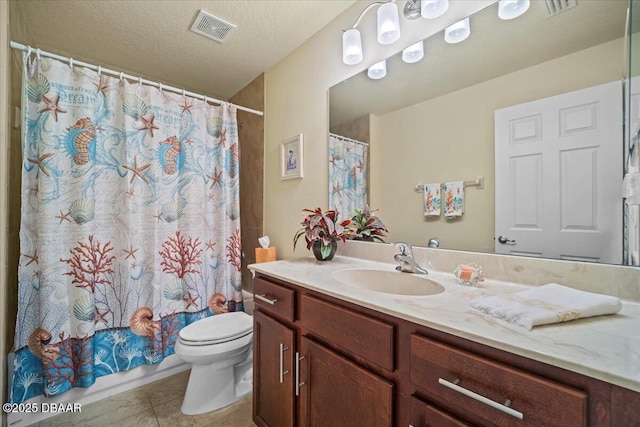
292, 158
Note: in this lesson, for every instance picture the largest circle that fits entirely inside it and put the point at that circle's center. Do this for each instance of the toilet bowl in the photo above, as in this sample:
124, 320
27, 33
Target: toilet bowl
219, 349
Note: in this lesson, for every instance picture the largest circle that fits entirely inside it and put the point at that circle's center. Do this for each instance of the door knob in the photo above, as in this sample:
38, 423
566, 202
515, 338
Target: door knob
504, 240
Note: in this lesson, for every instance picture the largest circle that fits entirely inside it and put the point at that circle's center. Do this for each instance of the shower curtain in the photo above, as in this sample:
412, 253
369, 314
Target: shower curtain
347, 175
130, 224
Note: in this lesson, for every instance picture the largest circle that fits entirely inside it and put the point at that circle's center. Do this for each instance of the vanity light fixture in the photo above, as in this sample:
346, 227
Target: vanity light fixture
378, 70
509, 9
457, 32
413, 53
351, 47
388, 23
388, 29
432, 9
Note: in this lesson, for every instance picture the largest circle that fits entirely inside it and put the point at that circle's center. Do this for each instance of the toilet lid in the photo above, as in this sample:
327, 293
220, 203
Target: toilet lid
221, 327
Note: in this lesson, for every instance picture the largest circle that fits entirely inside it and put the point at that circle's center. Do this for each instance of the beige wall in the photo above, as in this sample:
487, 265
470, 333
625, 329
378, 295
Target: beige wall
455, 141
296, 97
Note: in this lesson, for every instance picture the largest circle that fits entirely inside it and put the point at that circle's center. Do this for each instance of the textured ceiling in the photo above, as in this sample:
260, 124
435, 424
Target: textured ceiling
493, 49
152, 37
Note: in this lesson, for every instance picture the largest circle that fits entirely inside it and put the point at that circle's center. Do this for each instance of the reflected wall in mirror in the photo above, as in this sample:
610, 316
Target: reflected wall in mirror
433, 121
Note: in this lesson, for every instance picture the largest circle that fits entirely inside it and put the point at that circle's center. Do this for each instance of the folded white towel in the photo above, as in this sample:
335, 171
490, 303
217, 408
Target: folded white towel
551, 303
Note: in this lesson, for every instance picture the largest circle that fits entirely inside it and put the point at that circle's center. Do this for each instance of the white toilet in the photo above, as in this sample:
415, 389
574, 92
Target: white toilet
219, 348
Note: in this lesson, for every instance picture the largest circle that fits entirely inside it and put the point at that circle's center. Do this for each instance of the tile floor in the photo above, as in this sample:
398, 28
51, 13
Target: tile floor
156, 404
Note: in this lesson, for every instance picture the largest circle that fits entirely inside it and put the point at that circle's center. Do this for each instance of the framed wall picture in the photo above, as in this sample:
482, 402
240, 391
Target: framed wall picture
291, 158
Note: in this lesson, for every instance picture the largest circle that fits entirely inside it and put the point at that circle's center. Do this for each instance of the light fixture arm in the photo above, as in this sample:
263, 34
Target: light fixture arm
366, 9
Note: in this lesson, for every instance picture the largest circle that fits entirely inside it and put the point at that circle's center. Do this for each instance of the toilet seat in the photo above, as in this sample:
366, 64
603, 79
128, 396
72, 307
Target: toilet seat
217, 329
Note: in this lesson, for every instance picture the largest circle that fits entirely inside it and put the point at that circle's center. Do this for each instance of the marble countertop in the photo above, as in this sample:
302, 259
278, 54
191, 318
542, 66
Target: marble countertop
605, 347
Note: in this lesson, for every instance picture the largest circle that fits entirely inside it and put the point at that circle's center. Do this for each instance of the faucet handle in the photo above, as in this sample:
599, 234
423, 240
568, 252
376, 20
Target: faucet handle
405, 249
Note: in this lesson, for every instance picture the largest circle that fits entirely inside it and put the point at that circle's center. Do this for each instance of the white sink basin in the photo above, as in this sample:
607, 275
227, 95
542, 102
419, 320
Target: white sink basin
388, 281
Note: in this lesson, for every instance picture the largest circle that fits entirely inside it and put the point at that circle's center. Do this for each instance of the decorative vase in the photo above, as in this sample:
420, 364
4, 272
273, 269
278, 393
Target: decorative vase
316, 246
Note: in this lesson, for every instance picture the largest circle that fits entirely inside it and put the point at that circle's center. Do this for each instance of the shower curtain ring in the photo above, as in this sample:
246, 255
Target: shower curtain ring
71, 63
28, 51
99, 71
121, 75
38, 54
160, 86
139, 81
184, 93
206, 101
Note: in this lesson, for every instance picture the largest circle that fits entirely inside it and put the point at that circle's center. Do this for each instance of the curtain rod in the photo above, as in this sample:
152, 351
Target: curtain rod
159, 85
344, 138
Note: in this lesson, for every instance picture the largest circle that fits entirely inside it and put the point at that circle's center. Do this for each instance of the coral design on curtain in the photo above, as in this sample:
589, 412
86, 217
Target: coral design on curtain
130, 224
347, 175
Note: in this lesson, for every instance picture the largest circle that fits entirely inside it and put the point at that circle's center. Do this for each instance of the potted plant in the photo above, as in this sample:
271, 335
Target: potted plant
368, 227
322, 231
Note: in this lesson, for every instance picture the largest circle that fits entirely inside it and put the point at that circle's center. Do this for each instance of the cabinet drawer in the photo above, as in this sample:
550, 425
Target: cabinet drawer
362, 336
424, 414
274, 299
490, 389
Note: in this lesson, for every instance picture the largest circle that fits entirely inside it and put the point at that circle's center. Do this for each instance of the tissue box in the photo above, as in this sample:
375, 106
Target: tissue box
265, 254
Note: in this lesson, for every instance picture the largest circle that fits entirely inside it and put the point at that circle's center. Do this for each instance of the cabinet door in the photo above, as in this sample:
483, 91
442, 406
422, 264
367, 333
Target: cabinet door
426, 415
338, 392
273, 349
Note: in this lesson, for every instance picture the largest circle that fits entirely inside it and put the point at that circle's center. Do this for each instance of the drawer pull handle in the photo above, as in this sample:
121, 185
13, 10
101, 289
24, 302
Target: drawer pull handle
298, 383
504, 408
283, 348
266, 299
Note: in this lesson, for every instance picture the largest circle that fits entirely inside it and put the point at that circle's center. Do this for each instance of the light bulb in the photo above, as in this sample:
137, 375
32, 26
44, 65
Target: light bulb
509, 9
378, 70
351, 47
431, 9
413, 53
457, 32
388, 23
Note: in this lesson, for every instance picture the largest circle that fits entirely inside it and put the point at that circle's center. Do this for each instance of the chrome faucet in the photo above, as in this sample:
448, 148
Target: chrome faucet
405, 257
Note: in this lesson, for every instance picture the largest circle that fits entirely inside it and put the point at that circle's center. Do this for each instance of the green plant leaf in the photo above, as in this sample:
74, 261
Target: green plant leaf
325, 250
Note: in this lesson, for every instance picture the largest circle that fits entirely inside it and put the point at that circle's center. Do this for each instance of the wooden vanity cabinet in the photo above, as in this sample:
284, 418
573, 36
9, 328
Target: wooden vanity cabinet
339, 392
346, 365
273, 398
298, 380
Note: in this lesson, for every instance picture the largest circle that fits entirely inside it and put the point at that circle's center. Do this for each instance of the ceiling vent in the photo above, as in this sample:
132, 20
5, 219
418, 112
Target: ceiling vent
555, 7
212, 27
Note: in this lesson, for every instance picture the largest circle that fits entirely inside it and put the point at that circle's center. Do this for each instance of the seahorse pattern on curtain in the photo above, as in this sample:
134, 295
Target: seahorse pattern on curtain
347, 175
130, 225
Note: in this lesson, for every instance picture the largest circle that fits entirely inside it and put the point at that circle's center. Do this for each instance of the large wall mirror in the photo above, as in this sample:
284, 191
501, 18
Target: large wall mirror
434, 122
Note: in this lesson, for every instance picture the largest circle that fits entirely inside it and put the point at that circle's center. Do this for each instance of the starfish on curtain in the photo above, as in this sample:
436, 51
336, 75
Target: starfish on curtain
130, 252
39, 161
101, 87
137, 170
337, 190
186, 107
32, 258
148, 125
63, 216
51, 105
215, 178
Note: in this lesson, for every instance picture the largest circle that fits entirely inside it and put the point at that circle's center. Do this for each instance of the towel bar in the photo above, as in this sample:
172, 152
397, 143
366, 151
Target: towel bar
478, 183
